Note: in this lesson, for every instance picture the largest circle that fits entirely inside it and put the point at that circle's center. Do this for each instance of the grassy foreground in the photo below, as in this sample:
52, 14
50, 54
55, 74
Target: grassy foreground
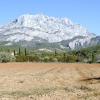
49, 81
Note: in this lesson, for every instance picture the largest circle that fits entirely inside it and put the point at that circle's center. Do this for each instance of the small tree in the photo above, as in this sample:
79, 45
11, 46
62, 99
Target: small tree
14, 52
25, 52
55, 52
19, 52
64, 57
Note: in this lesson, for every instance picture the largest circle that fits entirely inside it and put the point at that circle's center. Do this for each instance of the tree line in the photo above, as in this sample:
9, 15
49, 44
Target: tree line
24, 55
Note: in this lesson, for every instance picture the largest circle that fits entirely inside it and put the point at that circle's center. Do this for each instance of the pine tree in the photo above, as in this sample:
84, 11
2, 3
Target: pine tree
55, 53
19, 52
92, 56
64, 57
25, 52
14, 52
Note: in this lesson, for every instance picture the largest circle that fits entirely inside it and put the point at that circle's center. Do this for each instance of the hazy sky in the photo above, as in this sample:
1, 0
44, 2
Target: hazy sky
84, 12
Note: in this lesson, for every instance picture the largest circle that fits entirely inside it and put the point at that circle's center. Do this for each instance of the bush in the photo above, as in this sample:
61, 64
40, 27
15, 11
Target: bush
53, 59
21, 58
34, 58
6, 57
46, 59
71, 58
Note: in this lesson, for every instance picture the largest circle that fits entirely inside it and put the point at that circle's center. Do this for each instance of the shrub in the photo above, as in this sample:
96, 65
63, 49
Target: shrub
34, 58
6, 57
53, 59
71, 58
21, 58
46, 59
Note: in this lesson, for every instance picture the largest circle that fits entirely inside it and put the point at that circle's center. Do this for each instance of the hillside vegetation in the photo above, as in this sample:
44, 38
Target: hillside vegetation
85, 55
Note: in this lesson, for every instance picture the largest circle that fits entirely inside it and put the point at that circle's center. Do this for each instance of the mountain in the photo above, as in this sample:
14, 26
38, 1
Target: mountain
44, 32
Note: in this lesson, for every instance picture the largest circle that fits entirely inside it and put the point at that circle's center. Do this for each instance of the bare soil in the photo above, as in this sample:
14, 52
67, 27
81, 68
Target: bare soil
49, 81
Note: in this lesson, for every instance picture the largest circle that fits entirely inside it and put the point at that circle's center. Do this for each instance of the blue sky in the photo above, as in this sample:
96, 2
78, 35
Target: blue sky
84, 12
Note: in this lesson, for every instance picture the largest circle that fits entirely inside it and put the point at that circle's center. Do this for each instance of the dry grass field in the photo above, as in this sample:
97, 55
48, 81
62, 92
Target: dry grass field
50, 81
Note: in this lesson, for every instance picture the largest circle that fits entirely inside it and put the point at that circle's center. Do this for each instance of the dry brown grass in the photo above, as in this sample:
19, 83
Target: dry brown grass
49, 81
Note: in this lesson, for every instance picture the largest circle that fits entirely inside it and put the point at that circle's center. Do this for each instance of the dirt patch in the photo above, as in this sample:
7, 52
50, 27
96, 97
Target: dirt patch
49, 81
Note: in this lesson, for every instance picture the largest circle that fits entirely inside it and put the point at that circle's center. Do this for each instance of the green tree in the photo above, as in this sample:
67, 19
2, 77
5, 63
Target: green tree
14, 52
19, 52
55, 52
25, 52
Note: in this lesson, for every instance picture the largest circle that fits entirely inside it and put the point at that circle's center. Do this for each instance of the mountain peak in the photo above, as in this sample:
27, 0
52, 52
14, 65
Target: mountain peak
41, 27
28, 20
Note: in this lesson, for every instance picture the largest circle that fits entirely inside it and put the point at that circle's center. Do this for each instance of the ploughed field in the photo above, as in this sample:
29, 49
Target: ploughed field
49, 81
